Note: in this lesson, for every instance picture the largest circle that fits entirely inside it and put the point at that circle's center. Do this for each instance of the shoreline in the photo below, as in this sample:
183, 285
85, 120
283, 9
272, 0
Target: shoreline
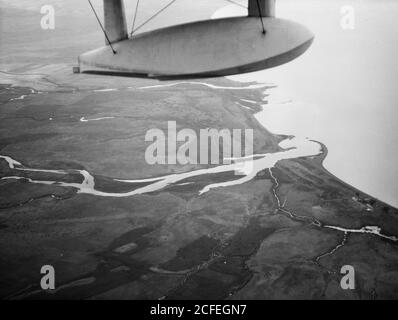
253, 111
247, 234
322, 158
359, 166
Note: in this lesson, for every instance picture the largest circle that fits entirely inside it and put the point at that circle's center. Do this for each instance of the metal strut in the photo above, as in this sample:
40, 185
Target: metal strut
135, 17
102, 27
153, 16
261, 16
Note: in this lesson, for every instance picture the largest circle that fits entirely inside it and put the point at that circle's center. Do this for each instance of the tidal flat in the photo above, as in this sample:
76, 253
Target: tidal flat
286, 233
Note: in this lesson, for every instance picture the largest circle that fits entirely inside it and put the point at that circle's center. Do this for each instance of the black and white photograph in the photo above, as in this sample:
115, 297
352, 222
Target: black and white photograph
198, 150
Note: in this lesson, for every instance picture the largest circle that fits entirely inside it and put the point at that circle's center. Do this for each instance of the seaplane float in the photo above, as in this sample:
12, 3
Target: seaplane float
209, 48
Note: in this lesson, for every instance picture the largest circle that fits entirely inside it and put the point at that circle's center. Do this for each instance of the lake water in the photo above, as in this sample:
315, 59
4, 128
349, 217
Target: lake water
342, 91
